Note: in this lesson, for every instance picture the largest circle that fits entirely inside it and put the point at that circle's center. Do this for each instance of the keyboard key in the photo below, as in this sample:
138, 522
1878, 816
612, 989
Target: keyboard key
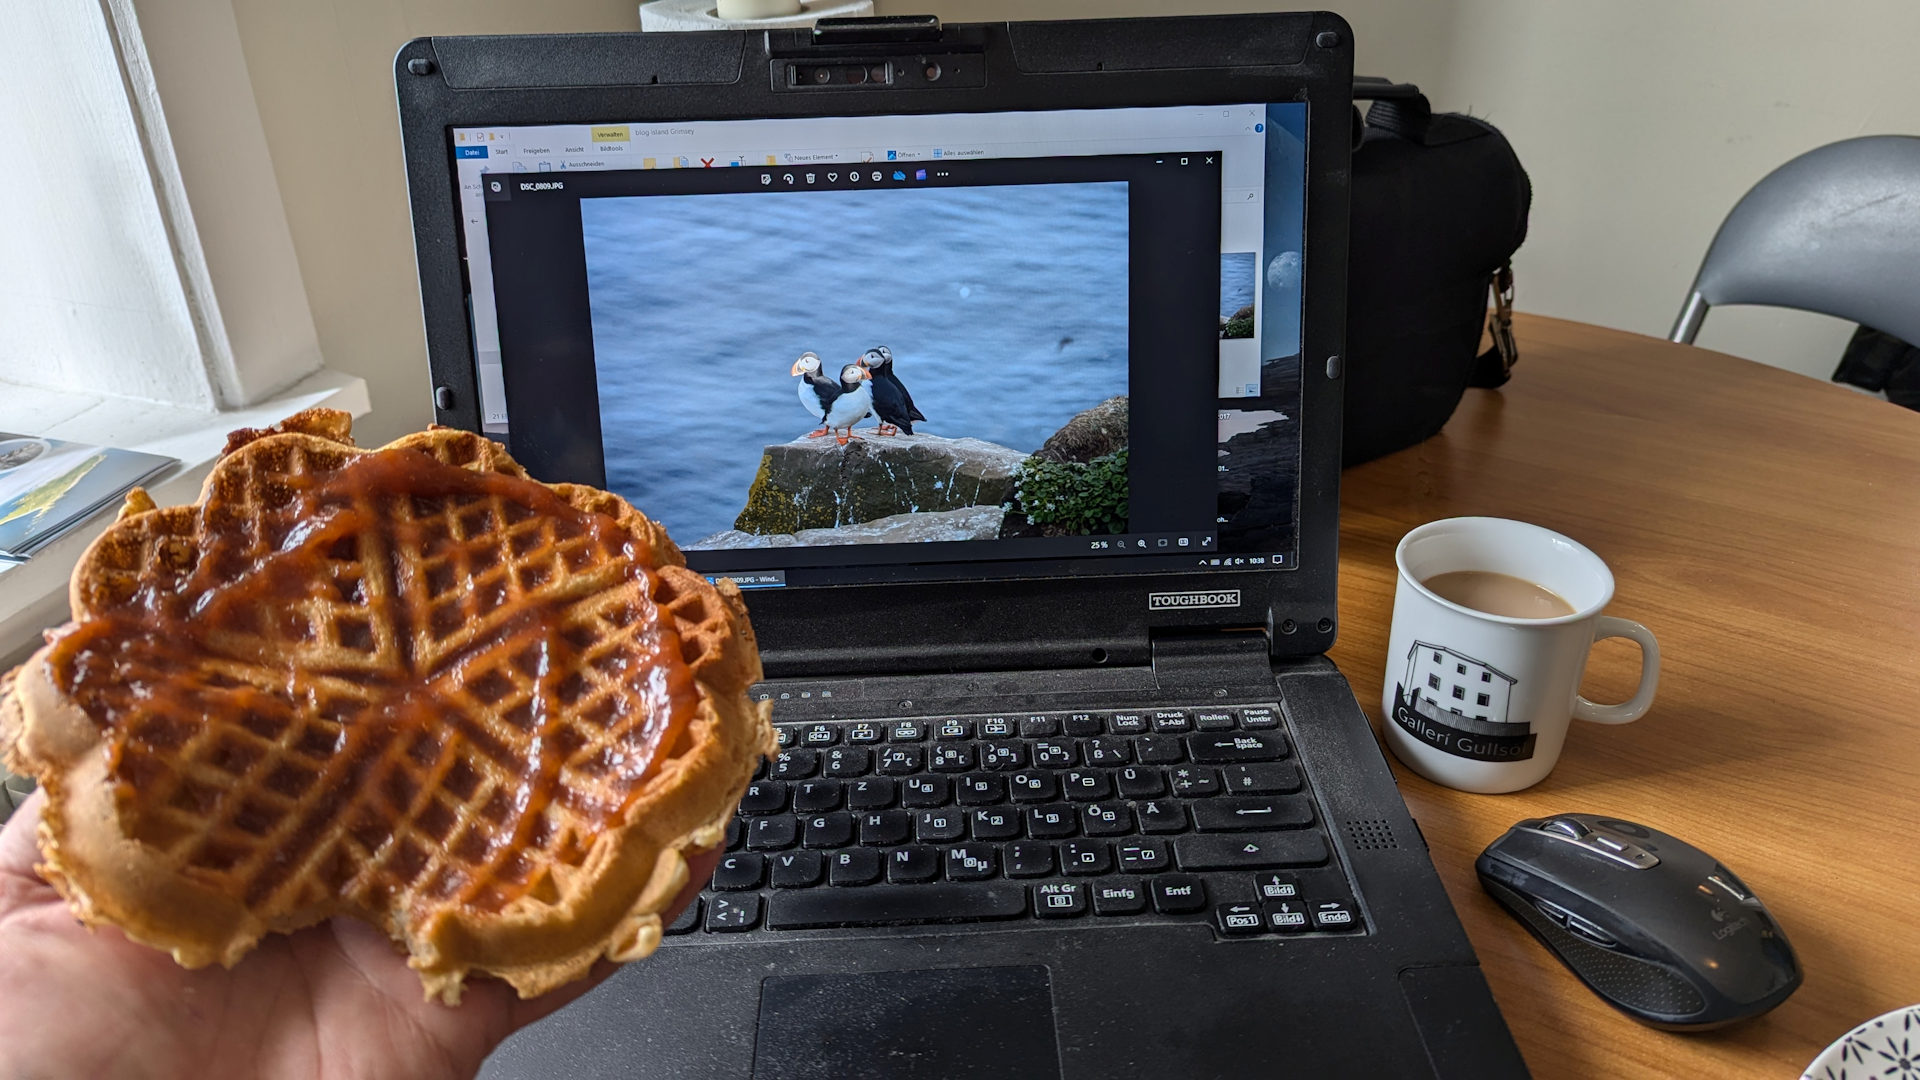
899, 760
1053, 753
1161, 816
1080, 857
1249, 851
739, 871
998, 727
1337, 914
980, 789
921, 791
1002, 756
819, 735
689, 918
1259, 716
1233, 748
845, 761
997, 823
813, 796
1060, 899
1144, 857
795, 869
1033, 786
772, 833
888, 905
1051, 822
726, 914
1128, 723
1136, 782
971, 863
885, 827
872, 793
786, 734
828, 831
1214, 719
1276, 886
1081, 785
1119, 898
1159, 750
795, 764
951, 757
1106, 819
1037, 726
953, 728
865, 732
1084, 723
1248, 814
1267, 778
906, 731
1108, 751
1238, 919
1178, 894
735, 834
913, 865
1189, 782
764, 797
939, 826
1287, 916
854, 866
1029, 858
1172, 721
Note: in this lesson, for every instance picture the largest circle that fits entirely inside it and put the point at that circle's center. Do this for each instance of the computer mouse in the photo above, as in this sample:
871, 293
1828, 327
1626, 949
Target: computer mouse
1658, 928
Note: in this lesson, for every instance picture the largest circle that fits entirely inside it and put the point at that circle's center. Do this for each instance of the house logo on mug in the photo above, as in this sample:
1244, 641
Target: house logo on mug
1457, 704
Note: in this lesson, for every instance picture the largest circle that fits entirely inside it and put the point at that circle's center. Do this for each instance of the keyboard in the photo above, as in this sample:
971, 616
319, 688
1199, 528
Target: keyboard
1155, 815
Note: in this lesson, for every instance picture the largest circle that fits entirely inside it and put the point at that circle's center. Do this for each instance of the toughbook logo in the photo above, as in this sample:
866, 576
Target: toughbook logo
1168, 601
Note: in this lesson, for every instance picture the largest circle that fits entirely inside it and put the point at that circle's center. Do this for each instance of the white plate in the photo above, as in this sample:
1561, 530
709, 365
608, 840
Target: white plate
1885, 1047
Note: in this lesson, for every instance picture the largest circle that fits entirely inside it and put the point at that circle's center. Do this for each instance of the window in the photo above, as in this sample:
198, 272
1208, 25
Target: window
1433, 681
1459, 669
1460, 692
1482, 699
1436, 658
1486, 676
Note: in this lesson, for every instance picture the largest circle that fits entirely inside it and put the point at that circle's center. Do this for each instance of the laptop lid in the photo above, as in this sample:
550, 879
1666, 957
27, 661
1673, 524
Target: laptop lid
1073, 295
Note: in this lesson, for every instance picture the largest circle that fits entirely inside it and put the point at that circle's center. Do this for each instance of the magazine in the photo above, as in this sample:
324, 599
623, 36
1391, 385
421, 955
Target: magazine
49, 486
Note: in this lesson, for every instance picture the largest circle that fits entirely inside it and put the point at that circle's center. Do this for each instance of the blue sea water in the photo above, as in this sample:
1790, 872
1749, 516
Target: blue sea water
1236, 282
1005, 308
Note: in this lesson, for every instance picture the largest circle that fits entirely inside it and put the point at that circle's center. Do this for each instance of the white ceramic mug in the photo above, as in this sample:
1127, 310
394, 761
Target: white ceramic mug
1482, 702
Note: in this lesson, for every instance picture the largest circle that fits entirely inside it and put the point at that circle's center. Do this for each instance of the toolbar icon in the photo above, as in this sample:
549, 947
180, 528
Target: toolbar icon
898, 175
765, 179
832, 177
876, 174
788, 178
809, 178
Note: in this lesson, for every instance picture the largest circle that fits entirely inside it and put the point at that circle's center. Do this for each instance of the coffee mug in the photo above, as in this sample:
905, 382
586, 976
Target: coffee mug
1481, 701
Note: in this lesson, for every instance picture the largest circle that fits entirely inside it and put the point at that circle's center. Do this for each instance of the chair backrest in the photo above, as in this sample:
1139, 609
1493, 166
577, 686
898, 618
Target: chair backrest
1835, 231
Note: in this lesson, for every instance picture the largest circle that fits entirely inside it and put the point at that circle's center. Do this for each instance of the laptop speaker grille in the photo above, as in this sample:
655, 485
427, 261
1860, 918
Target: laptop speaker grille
1371, 834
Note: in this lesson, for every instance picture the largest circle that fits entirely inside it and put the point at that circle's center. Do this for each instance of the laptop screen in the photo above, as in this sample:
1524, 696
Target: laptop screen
893, 348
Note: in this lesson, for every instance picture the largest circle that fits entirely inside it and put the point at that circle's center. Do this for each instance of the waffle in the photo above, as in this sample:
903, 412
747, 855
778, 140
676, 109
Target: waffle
409, 685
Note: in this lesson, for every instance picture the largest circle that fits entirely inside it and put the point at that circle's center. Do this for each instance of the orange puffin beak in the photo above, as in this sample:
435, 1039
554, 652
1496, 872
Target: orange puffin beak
795, 370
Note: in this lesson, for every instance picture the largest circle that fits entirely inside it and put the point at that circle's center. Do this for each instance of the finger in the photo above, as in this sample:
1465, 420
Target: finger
19, 846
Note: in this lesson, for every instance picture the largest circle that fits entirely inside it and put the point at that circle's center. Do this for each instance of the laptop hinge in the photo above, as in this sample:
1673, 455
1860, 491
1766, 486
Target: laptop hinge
1211, 658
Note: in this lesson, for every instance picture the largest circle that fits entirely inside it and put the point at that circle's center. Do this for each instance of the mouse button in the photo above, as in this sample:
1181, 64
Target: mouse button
1564, 826
1625, 828
1590, 930
1725, 880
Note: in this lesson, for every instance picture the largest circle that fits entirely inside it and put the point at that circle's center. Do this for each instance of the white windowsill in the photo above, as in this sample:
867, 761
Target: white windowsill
33, 594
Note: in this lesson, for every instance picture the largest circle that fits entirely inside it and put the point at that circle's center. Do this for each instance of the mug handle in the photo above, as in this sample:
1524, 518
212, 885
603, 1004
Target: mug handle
1634, 708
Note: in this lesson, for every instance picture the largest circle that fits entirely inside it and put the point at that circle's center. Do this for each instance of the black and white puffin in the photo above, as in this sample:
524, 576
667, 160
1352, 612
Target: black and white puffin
890, 398
854, 404
817, 393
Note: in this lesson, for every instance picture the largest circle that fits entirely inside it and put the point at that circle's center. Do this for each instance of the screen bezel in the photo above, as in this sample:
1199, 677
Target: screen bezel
447, 83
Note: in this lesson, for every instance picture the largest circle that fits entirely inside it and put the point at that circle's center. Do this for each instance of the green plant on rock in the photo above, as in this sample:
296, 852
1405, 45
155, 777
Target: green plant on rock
1074, 497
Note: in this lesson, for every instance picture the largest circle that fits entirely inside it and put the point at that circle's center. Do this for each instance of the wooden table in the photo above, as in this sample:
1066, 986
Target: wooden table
1766, 527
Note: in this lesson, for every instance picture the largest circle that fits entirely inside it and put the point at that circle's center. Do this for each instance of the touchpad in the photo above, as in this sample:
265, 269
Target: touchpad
940, 1024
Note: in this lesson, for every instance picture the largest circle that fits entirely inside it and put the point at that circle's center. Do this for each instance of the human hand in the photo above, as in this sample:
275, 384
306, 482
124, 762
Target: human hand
335, 1000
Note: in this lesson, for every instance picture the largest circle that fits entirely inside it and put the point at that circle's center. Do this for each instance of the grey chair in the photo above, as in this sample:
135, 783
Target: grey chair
1834, 231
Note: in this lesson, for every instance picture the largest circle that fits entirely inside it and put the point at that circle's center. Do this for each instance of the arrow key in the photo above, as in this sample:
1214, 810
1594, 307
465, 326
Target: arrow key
1238, 918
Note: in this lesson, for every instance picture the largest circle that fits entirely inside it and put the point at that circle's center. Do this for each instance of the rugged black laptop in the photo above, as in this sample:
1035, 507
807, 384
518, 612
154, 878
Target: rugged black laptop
1001, 363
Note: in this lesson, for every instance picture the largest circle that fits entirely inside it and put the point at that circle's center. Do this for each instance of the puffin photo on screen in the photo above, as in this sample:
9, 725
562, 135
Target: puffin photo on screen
854, 404
891, 402
817, 392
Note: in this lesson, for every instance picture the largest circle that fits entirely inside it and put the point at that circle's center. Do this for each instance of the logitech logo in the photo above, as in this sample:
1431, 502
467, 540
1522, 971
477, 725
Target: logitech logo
1169, 601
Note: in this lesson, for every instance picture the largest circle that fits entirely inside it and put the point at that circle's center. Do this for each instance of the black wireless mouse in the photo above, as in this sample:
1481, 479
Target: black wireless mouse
1658, 928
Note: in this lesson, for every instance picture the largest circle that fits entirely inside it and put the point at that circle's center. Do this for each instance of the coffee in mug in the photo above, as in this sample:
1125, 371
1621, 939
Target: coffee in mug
1492, 623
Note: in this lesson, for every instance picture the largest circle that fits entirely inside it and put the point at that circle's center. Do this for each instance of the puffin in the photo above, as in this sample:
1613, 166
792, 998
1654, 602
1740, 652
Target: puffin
854, 404
817, 392
890, 398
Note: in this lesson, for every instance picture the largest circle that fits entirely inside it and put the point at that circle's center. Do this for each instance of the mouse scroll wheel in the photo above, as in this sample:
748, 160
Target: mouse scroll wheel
1566, 827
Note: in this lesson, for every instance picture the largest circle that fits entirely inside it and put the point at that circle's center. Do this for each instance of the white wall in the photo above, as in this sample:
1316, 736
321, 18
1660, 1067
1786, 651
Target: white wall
1641, 123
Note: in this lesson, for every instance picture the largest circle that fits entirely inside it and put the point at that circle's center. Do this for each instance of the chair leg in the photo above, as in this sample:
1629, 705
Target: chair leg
1687, 326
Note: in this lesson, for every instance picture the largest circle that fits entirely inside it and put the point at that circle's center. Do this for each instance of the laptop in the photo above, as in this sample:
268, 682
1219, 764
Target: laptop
1000, 365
